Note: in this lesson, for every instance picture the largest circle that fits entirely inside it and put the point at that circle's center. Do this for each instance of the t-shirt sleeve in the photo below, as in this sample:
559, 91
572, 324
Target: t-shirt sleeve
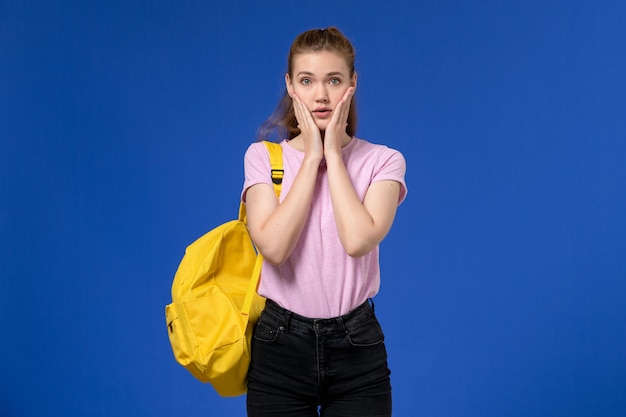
257, 169
392, 166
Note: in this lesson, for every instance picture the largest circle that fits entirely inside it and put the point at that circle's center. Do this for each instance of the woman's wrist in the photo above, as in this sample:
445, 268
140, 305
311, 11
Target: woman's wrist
312, 160
333, 157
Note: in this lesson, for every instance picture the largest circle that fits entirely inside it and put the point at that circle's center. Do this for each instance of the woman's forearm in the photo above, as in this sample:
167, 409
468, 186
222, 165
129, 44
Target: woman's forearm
361, 225
275, 228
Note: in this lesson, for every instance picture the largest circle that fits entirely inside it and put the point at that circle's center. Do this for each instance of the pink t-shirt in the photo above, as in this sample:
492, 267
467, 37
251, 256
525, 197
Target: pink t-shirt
319, 279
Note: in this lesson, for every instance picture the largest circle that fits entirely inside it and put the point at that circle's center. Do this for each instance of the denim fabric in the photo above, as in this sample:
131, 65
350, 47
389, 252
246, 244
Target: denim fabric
328, 367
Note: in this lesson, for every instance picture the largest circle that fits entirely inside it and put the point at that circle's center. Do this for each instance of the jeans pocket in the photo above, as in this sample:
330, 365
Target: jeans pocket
368, 333
267, 329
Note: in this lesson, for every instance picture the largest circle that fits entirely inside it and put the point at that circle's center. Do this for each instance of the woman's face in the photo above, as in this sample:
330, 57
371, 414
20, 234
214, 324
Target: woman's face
320, 79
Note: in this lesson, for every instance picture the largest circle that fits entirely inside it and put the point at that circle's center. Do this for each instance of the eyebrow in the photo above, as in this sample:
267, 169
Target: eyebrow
330, 74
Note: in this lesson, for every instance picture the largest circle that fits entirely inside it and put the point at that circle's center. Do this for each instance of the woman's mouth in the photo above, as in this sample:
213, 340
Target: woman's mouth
322, 113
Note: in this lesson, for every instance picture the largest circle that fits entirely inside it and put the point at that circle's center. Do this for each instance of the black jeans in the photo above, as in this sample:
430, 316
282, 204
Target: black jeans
300, 365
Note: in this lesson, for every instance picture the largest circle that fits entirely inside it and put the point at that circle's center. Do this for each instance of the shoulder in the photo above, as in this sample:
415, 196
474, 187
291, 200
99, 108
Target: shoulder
365, 146
256, 150
259, 149
383, 163
381, 153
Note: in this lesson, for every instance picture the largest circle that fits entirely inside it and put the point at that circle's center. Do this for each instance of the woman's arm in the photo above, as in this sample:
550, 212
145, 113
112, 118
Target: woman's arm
361, 225
275, 228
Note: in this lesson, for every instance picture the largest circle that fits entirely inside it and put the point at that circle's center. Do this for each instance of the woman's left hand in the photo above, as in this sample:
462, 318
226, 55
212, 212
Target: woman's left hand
336, 129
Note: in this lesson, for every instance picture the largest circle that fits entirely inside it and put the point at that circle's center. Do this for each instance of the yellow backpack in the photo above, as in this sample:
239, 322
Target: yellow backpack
214, 301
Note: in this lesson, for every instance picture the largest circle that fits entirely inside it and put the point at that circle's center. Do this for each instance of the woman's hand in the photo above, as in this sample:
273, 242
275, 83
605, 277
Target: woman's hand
276, 227
310, 133
336, 129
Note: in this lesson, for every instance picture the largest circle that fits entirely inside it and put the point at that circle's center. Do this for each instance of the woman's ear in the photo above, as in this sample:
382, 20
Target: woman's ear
288, 85
353, 80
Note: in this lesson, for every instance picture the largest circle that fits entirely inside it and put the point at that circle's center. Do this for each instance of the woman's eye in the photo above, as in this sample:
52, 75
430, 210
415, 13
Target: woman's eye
334, 81
305, 81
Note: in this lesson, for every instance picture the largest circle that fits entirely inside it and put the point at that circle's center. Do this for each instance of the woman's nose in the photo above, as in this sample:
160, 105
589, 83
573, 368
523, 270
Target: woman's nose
321, 94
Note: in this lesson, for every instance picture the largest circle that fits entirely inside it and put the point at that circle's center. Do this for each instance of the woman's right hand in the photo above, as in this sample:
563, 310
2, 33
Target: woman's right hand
276, 227
309, 132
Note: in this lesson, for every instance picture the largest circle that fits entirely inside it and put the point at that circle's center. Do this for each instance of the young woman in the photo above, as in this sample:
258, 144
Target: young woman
318, 347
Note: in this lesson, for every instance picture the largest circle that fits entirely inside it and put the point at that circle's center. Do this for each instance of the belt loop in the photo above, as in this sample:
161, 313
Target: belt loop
286, 319
371, 303
340, 323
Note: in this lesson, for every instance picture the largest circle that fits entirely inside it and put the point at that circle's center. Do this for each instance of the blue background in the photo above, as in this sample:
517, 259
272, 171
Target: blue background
122, 130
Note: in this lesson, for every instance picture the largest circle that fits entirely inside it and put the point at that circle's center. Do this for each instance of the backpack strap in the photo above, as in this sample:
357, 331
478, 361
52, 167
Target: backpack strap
276, 162
277, 172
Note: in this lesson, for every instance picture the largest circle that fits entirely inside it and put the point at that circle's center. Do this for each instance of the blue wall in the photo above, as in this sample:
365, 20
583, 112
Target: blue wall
122, 132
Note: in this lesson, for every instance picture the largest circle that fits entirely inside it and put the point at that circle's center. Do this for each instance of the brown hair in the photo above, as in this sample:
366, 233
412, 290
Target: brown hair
283, 120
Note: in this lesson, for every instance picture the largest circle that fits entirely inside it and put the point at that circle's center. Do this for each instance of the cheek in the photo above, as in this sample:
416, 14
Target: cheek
339, 93
300, 91
304, 94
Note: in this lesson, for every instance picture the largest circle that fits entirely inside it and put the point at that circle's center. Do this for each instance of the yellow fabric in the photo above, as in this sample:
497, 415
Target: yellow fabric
214, 301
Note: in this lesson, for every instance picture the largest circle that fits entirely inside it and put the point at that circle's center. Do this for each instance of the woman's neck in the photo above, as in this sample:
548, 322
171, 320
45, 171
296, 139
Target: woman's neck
296, 142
